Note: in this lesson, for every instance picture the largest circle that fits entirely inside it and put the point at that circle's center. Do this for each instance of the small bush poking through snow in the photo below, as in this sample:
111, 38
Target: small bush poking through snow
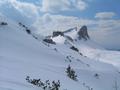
3, 23
96, 76
47, 85
22, 25
25, 27
71, 73
28, 31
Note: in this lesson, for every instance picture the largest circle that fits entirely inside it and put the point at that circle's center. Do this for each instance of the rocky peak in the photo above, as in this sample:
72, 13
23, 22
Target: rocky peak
57, 33
83, 34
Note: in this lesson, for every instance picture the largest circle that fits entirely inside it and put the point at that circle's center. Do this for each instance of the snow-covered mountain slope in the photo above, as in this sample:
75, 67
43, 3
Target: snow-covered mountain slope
22, 55
89, 48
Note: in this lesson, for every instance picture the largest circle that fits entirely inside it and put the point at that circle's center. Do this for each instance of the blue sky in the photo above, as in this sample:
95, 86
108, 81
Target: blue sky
85, 8
94, 6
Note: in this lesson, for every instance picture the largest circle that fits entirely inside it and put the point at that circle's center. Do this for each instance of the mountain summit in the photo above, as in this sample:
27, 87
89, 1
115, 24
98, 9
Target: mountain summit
83, 33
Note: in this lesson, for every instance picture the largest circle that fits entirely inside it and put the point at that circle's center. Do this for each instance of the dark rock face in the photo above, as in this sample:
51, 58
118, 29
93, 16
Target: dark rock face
83, 34
57, 33
49, 41
74, 48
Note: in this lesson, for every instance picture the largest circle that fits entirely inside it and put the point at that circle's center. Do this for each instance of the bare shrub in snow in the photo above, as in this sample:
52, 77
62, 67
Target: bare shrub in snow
28, 31
47, 85
71, 73
3, 23
96, 75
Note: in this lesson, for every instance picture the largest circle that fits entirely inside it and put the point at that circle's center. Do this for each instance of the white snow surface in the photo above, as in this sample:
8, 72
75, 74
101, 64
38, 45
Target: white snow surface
22, 55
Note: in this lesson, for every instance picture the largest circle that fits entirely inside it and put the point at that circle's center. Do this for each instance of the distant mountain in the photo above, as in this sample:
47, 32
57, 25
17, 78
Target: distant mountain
72, 34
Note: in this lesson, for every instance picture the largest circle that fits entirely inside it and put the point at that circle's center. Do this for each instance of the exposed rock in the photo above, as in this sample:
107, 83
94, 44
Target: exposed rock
57, 33
83, 34
49, 41
74, 48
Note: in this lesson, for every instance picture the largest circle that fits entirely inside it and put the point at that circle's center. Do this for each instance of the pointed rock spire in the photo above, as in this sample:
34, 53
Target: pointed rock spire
83, 34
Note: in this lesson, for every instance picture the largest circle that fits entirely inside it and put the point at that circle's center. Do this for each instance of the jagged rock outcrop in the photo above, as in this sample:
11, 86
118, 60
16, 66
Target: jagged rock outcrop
57, 33
74, 48
83, 34
50, 41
